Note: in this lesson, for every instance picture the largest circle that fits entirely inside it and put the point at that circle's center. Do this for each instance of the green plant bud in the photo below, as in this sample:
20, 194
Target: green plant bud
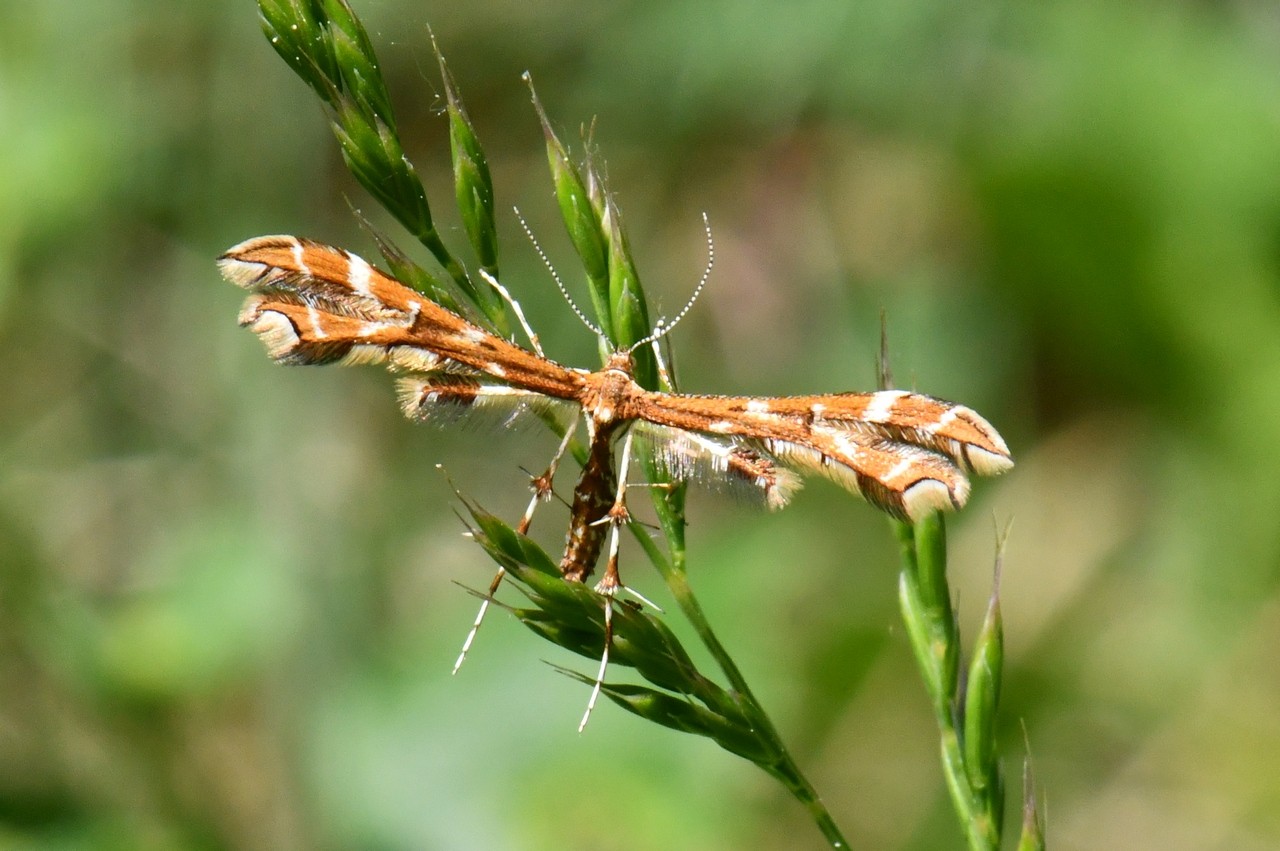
982, 696
1032, 837
473, 186
581, 220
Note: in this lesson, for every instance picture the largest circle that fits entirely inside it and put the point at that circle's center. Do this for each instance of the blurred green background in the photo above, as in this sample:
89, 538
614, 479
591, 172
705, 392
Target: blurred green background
228, 606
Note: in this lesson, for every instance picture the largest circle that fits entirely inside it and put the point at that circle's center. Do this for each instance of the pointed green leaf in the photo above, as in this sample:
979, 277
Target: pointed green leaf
1032, 837
473, 186
581, 219
982, 696
629, 314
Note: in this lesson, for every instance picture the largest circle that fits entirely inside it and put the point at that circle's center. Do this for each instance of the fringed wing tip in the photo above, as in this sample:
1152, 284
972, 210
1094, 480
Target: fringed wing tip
929, 495
238, 266
984, 451
274, 329
786, 484
987, 463
239, 272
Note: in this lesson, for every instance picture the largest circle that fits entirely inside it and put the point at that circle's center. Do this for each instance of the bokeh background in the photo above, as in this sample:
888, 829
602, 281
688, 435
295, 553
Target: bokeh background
229, 596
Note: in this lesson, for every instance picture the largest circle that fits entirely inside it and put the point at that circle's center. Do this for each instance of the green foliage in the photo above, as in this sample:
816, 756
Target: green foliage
330, 50
965, 708
473, 187
225, 606
326, 45
595, 228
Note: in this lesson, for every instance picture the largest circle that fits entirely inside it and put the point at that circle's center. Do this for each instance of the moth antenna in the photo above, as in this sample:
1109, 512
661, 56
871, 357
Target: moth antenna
555, 276
515, 307
661, 331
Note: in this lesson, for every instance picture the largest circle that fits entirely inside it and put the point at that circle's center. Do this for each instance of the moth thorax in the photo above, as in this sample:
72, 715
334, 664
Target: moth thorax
610, 393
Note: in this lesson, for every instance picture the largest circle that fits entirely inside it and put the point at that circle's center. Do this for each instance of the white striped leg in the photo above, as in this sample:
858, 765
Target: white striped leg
604, 664
664, 375
541, 485
616, 517
515, 308
541, 493
611, 582
475, 627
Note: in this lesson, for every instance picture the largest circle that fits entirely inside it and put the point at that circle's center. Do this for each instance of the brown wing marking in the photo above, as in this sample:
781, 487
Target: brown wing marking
316, 304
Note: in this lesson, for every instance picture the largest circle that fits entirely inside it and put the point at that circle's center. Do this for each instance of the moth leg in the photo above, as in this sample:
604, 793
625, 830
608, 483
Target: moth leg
664, 375
515, 308
617, 517
610, 583
604, 664
475, 627
541, 486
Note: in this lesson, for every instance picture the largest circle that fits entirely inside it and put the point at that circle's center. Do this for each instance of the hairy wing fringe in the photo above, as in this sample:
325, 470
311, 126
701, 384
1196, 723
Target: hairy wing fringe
727, 464
444, 399
907, 481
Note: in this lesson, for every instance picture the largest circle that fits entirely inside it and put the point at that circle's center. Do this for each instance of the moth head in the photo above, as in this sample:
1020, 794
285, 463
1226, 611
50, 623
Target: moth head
621, 361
